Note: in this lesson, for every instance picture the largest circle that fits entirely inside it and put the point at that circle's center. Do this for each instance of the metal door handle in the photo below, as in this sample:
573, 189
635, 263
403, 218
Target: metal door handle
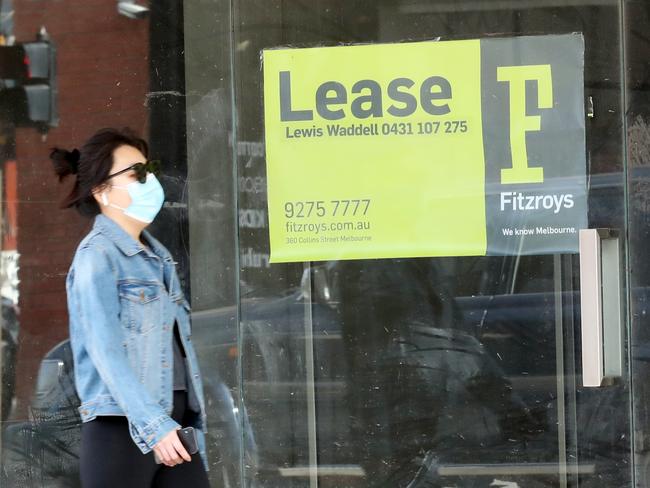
600, 305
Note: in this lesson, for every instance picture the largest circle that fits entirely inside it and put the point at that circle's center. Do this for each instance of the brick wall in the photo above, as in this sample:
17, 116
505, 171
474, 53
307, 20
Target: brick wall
103, 79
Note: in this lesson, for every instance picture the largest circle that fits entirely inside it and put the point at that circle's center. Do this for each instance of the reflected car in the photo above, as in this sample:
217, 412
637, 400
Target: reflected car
413, 404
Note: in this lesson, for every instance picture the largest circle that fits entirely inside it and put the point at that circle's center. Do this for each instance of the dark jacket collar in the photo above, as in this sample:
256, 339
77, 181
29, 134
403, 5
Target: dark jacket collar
124, 241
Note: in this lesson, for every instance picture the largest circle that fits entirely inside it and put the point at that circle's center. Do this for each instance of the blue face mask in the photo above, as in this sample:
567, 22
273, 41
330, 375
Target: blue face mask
146, 199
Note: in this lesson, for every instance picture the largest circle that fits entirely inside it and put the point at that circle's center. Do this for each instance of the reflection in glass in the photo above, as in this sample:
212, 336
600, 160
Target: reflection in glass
427, 372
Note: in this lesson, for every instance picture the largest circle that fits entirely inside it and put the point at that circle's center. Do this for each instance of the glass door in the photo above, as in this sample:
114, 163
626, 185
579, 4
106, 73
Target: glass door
429, 372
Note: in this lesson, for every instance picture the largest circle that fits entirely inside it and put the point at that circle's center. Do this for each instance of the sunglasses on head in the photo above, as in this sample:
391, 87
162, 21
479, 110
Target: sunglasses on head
141, 170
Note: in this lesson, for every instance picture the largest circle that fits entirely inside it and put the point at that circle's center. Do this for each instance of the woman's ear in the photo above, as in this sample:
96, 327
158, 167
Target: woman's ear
99, 193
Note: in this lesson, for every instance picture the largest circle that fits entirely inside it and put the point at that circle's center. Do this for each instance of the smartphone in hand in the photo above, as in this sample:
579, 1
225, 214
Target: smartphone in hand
187, 436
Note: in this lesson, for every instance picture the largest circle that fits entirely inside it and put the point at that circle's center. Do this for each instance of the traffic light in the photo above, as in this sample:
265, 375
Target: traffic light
28, 96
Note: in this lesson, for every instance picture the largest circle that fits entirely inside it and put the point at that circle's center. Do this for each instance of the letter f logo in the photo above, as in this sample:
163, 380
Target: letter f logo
520, 123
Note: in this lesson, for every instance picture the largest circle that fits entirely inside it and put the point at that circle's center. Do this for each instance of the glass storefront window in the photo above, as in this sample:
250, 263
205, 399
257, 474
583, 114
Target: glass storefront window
429, 371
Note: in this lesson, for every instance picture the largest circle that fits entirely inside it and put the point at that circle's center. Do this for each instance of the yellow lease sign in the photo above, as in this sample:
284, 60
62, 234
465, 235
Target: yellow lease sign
377, 151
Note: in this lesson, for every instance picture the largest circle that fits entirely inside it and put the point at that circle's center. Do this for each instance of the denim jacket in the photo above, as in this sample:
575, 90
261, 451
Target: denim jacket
122, 302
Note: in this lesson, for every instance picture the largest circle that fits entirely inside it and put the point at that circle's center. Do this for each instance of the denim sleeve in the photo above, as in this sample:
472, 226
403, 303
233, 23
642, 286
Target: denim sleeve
94, 286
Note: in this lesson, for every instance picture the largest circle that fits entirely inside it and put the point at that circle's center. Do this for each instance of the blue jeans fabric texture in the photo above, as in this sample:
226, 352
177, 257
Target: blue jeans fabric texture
123, 300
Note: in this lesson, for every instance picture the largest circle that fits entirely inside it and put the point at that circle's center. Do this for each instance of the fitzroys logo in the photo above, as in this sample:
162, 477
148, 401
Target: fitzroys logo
520, 122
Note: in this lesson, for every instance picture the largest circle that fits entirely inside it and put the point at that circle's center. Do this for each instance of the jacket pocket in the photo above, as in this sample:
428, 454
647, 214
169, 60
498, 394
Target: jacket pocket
141, 306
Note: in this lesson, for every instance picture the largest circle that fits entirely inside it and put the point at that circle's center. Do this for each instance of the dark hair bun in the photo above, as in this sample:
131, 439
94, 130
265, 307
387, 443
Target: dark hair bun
65, 162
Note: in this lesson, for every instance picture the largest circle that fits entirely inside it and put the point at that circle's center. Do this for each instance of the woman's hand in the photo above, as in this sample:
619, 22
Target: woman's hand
170, 451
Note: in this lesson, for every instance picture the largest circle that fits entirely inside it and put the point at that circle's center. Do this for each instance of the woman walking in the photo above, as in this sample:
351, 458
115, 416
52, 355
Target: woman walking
136, 372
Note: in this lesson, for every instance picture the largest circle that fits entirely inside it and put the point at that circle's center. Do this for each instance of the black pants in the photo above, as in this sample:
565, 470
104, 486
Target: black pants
110, 458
